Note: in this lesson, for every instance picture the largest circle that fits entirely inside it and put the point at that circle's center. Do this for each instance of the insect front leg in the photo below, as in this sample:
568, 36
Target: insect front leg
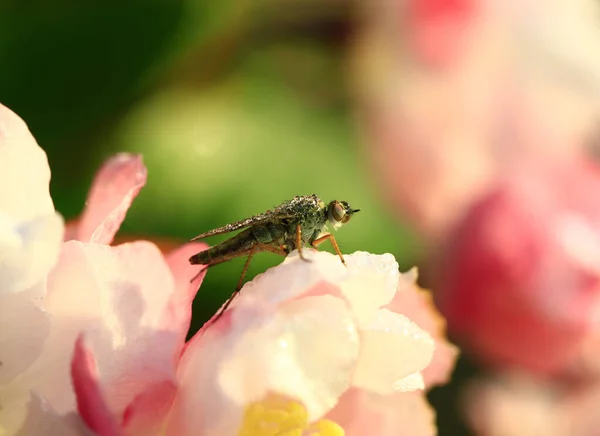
336, 247
299, 243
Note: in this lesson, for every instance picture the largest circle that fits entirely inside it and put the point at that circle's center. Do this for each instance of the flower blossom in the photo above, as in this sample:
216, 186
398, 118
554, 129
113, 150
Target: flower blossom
95, 341
516, 404
129, 304
326, 335
519, 281
452, 94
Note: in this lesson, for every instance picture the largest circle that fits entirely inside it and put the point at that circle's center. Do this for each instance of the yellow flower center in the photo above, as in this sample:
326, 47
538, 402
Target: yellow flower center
278, 416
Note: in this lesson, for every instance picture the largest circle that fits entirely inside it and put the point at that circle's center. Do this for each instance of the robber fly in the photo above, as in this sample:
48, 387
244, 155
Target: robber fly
291, 225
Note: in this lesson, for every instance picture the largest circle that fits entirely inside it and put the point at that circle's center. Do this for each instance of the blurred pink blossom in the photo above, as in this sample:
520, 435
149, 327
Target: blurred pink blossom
516, 404
519, 281
436, 29
509, 80
95, 337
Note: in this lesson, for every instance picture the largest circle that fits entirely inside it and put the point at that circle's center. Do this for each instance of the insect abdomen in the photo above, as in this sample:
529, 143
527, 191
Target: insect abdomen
268, 233
230, 249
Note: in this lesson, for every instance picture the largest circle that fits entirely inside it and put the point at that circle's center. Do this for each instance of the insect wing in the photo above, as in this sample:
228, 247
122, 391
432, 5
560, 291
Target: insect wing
270, 215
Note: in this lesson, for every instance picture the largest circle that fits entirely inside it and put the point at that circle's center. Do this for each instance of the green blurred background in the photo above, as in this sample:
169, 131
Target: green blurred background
236, 106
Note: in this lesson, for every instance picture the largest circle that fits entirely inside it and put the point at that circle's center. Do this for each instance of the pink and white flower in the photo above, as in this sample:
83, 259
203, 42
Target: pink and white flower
100, 345
313, 332
129, 303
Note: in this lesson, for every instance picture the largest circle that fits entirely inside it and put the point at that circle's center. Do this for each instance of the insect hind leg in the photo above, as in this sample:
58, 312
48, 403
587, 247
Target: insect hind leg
251, 253
240, 283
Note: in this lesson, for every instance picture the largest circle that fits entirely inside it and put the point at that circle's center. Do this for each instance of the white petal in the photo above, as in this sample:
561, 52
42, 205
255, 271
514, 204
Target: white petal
24, 171
30, 230
292, 278
29, 250
306, 348
371, 282
412, 382
306, 351
368, 282
23, 329
392, 348
43, 420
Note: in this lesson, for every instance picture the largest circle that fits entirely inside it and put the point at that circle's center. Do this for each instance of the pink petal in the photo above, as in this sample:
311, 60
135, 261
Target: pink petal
71, 229
438, 29
115, 186
131, 291
123, 298
24, 328
146, 413
439, 371
24, 171
165, 244
418, 306
90, 401
401, 414
178, 313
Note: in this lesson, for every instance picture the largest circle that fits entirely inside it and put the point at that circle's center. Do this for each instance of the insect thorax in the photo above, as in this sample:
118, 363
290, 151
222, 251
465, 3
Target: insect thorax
311, 215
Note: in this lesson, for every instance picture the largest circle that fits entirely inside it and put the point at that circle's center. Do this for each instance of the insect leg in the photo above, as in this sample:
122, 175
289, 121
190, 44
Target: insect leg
226, 305
271, 248
253, 250
299, 243
257, 248
336, 247
198, 274
217, 262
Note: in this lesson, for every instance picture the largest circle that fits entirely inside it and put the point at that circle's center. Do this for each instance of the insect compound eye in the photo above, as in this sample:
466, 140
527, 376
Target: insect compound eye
338, 211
